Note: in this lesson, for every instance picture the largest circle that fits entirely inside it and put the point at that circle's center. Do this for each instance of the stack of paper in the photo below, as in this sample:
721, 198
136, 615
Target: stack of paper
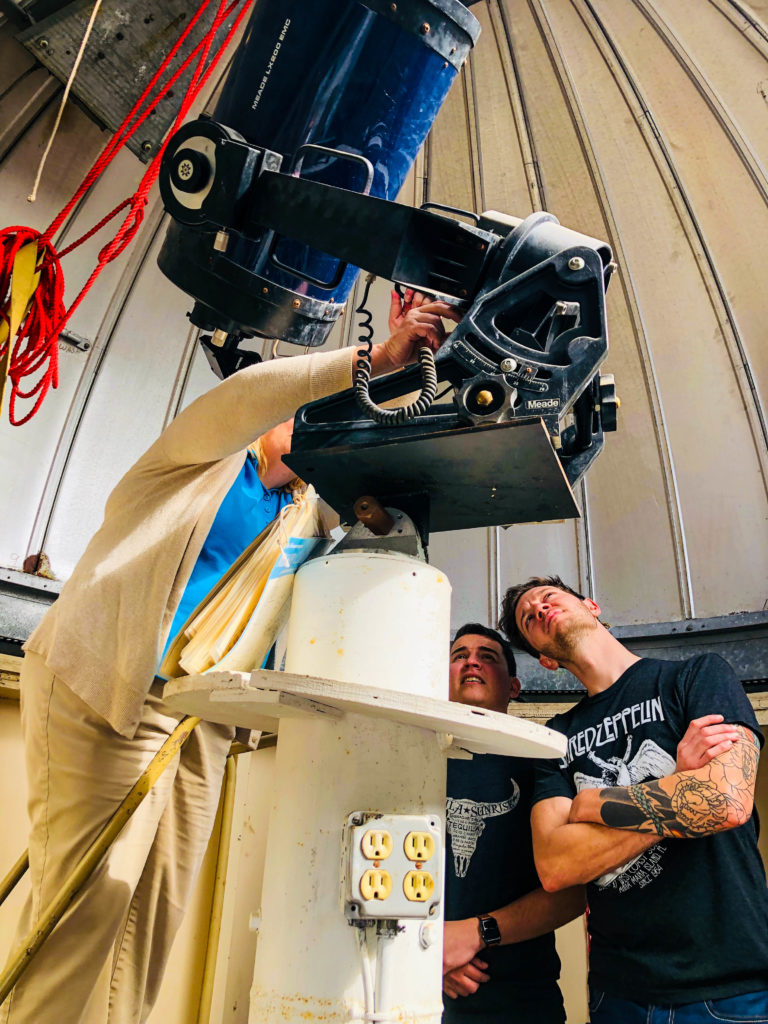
237, 622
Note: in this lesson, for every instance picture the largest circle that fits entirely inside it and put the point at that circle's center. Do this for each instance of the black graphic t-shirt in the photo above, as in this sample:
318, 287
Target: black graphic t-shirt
688, 919
489, 863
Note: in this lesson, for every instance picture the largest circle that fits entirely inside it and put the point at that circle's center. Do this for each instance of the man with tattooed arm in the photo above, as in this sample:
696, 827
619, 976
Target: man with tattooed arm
678, 906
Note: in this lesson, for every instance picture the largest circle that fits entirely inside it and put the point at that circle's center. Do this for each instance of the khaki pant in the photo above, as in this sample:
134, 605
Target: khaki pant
104, 960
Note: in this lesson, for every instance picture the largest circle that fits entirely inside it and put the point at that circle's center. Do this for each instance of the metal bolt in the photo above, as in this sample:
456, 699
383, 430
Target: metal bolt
393, 7
221, 241
424, 28
219, 337
507, 365
265, 291
43, 44
453, 49
484, 397
613, 266
146, 147
296, 303
575, 263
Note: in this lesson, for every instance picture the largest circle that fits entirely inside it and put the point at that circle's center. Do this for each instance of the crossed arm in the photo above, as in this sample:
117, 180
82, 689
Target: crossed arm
575, 841
686, 805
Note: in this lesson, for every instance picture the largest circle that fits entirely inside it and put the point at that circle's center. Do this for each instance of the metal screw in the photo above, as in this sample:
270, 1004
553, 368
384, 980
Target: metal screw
265, 291
393, 7
613, 266
146, 147
575, 263
484, 397
43, 44
424, 28
296, 303
507, 365
453, 49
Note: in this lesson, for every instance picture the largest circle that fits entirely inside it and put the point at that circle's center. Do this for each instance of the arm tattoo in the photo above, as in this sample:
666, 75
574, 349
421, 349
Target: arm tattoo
690, 804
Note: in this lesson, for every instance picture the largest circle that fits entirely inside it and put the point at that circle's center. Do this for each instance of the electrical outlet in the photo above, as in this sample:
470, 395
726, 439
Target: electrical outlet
375, 885
383, 861
376, 844
419, 846
418, 886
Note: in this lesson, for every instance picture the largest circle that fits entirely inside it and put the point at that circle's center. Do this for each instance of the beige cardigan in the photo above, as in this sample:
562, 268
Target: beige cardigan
103, 635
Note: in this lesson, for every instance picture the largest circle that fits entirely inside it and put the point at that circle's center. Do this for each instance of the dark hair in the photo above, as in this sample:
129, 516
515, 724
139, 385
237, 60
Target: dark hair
476, 629
507, 621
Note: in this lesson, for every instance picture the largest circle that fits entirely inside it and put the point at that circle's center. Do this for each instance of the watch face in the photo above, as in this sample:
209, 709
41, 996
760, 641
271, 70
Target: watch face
489, 931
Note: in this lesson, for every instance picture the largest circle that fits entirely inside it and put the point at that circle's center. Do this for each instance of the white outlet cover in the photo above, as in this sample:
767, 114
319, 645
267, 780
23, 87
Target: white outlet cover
354, 863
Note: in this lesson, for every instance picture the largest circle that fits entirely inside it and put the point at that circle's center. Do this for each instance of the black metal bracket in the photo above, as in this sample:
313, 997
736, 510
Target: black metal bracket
529, 345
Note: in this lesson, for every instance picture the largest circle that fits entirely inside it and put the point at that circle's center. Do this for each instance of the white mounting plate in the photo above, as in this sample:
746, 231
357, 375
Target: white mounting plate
257, 700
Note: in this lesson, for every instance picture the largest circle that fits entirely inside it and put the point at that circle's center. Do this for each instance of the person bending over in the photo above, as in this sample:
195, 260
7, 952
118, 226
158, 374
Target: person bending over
92, 712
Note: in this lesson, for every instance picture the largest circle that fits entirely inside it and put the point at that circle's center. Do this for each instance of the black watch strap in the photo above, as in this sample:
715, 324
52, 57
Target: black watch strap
489, 930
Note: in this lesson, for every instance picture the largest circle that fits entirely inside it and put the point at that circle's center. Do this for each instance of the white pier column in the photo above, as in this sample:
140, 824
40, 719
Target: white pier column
380, 620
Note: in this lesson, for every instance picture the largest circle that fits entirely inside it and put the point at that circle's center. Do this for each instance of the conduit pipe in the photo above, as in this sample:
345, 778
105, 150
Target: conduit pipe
219, 887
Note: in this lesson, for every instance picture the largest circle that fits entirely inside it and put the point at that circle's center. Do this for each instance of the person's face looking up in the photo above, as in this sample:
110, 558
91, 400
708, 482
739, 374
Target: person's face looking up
554, 621
479, 675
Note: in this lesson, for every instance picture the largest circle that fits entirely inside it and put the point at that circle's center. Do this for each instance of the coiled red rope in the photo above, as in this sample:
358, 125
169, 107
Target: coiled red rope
34, 350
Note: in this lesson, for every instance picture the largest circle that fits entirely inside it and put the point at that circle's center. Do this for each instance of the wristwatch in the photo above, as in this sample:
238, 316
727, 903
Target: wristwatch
489, 930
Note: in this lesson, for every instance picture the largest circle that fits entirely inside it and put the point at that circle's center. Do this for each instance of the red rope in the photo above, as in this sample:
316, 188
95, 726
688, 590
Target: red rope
37, 340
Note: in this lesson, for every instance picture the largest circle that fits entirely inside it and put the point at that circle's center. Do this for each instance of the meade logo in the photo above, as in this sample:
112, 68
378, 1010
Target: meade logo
543, 403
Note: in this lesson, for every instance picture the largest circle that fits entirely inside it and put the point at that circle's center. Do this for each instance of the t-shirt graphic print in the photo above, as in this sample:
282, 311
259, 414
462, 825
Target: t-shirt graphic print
688, 919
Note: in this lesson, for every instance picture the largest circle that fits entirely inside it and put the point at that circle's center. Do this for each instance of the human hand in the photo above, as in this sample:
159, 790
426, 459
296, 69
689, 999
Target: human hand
704, 739
465, 980
414, 322
400, 306
461, 942
585, 806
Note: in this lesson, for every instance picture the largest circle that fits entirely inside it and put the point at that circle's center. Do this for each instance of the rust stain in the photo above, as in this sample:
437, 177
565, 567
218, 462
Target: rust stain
39, 565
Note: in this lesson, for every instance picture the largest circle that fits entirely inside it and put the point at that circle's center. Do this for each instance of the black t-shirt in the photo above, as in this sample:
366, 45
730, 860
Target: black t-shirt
489, 863
688, 919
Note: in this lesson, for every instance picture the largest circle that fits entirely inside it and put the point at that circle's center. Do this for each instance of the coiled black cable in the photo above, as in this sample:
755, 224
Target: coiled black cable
390, 417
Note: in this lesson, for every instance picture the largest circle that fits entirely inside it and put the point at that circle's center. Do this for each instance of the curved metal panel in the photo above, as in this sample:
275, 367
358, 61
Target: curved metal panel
639, 121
